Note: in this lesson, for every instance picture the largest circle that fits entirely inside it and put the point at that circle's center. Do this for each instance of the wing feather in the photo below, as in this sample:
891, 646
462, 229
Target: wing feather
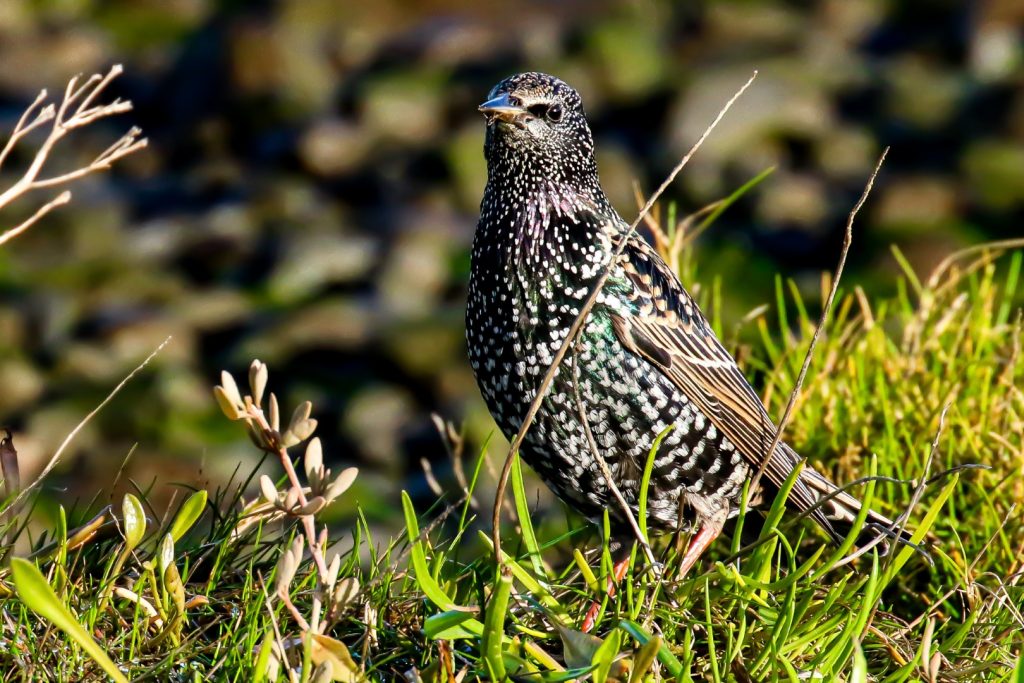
669, 331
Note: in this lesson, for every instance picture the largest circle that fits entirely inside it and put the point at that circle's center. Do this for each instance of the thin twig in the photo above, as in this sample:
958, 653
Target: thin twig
997, 245
21, 129
845, 488
847, 240
81, 425
595, 290
428, 474
61, 124
60, 200
901, 521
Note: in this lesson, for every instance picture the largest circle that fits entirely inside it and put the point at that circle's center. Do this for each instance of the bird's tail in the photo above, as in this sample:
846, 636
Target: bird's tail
840, 510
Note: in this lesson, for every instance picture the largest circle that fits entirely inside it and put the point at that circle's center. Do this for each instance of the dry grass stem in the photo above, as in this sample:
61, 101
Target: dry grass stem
81, 425
787, 413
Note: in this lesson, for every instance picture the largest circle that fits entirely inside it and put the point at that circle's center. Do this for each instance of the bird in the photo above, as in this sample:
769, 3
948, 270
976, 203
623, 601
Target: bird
645, 363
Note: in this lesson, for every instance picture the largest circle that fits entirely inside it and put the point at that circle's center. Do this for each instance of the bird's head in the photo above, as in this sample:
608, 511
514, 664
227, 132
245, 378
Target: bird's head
534, 118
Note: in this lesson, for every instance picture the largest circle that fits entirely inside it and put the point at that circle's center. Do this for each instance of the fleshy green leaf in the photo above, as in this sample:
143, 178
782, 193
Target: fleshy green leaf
229, 409
421, 572
665, 656
604, 657
644, 659
188, 514
35, 592
257, 380
134, 521
166, 555
448, 625
494, 624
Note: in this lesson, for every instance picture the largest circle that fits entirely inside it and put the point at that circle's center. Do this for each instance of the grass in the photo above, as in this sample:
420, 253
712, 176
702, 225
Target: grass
901, 393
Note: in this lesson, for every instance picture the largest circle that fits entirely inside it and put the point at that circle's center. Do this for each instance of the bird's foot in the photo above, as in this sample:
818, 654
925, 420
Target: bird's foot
618, 571
591, 617
657, 570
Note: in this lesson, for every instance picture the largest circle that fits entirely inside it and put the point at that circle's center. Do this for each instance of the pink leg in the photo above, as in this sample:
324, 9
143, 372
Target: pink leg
618, 571
698, 544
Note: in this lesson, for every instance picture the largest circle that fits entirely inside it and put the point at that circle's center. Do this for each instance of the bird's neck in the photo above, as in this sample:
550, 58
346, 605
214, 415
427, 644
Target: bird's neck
542, 213
533, 189
549, 240
522, 169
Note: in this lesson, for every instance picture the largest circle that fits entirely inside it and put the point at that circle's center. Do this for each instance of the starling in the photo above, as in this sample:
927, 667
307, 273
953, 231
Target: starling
646, 358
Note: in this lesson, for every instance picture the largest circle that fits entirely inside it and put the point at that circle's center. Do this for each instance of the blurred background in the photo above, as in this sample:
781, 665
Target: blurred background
314, 171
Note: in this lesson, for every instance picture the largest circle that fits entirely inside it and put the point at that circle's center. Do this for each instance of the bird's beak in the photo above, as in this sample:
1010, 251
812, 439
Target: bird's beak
501, 108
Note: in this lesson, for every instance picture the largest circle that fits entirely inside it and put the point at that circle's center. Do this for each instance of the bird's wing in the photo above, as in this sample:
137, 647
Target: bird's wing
665, 327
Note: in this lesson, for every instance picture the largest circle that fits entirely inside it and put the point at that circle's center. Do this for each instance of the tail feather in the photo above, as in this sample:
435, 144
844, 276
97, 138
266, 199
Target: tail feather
839, 513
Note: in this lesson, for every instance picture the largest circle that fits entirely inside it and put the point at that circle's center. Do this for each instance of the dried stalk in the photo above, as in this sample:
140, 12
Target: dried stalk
76, 110
81, 425
847, 240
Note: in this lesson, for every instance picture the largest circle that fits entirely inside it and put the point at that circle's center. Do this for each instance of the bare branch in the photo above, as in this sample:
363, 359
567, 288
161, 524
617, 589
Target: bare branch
595, 290
60, 200
114, 72
123, 147
79, 100
21, 130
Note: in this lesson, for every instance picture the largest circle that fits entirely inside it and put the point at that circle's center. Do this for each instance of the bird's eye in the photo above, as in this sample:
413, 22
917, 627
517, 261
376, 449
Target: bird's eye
539, 111
551, 112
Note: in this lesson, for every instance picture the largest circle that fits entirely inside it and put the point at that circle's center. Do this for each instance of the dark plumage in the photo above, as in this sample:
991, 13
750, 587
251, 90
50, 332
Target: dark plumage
646, 358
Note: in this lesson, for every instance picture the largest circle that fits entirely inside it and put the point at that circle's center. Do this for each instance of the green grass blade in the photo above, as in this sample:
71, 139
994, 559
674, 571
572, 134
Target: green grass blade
1010, 288
472, 482
35, 592
645, 481
259, 668
534, 587
665, 656
860, 665
930, 516
523, 512
494, 625
731, 199
421, 571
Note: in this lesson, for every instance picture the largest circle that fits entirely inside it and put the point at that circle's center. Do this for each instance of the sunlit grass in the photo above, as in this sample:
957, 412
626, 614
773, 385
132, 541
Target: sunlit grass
900, 392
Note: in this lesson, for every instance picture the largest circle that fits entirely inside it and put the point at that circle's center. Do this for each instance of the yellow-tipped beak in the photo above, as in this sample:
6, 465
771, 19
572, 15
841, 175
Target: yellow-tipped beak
501, 108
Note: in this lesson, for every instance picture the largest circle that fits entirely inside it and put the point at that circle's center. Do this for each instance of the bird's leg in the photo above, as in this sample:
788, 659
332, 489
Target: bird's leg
706, 533
618, 571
